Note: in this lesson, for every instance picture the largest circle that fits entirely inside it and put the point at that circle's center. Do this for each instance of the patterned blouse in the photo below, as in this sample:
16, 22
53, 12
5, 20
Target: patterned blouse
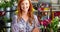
23, 26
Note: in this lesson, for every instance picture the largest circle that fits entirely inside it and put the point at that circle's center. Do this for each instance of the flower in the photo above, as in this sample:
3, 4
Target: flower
45, 22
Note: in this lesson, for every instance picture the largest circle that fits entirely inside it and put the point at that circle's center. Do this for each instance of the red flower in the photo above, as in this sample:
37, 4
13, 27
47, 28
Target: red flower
45, 22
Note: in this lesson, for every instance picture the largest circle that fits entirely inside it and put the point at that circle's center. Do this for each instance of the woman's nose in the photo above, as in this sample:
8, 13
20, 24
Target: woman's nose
24, 6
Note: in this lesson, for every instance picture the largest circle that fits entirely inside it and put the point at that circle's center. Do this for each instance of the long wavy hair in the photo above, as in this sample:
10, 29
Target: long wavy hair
30, 14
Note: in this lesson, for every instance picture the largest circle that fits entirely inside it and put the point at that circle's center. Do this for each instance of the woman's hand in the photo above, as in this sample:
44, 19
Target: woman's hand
36, 30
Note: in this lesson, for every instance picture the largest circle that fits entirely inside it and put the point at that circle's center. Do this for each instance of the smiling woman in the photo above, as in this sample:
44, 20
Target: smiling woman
25, 20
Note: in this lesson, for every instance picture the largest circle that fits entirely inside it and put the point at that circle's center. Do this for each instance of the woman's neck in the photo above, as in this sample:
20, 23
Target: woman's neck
25, 17
24, 14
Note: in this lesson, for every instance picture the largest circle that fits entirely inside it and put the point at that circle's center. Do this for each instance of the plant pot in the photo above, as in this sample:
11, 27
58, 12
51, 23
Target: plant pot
2, 9
8, 26
8, 15
8, 9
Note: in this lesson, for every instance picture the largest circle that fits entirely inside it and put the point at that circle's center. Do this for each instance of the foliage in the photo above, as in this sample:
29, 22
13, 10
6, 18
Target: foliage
6, 19
54, 24
4, 3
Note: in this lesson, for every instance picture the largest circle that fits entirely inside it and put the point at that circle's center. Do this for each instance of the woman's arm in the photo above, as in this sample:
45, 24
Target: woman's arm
15, 28
14, 24
37, 25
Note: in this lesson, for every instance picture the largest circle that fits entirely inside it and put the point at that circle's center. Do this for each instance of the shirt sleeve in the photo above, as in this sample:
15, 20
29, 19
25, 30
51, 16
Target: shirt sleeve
14, 19
36, 21
14, 24
15, 28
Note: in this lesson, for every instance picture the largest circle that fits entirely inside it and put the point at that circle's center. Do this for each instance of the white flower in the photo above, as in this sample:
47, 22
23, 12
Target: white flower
15, 3
0, 1
8, 8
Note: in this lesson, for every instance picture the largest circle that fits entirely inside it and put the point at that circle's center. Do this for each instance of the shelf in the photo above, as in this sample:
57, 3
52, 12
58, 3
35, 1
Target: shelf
55, 5
46, 11
55, 10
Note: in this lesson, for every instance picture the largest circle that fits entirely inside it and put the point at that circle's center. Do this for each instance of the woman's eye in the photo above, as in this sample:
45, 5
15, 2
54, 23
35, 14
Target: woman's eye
22, 3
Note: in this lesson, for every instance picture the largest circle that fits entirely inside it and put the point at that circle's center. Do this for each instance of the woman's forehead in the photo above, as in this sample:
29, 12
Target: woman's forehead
25, 1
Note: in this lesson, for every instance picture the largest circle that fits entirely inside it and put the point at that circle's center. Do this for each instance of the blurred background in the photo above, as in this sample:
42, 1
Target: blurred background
47, 11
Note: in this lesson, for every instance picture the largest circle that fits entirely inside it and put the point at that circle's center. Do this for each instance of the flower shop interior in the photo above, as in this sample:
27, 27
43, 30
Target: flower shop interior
47, 11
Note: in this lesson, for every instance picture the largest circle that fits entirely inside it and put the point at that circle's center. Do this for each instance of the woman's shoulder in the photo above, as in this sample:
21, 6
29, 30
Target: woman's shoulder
14, 16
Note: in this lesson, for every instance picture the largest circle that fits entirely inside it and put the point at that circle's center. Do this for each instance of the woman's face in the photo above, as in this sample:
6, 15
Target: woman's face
25, 5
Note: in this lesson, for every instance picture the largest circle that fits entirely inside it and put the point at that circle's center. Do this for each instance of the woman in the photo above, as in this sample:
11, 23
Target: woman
25, 21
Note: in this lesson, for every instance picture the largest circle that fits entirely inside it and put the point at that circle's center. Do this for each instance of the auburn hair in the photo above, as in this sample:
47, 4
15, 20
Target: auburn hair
30, 13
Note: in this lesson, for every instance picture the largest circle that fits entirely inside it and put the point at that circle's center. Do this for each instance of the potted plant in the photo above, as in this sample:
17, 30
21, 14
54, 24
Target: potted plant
7, 23
2, 5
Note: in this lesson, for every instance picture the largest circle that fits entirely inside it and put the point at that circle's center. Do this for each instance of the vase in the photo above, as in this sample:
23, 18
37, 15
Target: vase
8, 24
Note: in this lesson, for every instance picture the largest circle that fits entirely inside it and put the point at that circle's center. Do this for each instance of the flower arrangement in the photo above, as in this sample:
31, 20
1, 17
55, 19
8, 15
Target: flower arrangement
51, 25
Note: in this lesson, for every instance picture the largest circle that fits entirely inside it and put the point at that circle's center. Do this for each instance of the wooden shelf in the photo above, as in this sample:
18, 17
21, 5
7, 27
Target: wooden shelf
55, 10
55, 5
46, 11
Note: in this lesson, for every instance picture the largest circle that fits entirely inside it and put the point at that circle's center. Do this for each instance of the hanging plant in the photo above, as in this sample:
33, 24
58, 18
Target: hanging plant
2, 4
8, 4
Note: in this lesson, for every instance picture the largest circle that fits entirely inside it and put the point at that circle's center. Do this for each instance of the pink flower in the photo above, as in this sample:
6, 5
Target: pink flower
45, 22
